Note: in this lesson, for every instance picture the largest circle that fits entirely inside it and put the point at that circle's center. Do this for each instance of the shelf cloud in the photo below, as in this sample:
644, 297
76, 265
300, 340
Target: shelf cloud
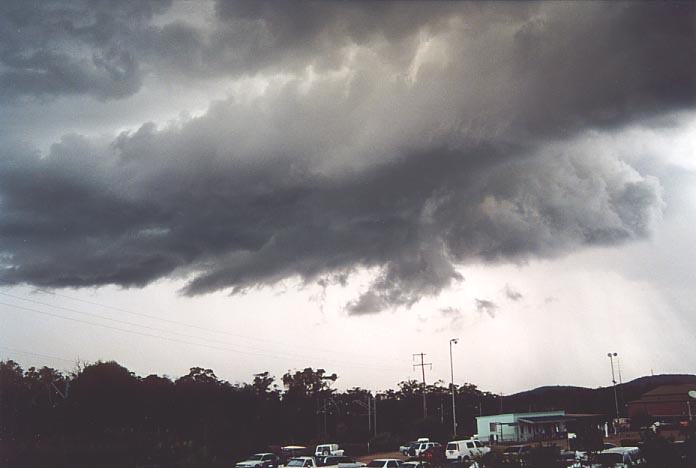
408, 139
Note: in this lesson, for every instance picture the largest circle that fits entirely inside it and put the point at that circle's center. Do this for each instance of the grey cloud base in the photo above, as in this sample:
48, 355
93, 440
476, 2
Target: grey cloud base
429, 138
76, 218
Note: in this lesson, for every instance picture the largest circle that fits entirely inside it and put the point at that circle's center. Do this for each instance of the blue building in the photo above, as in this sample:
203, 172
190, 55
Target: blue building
523, 427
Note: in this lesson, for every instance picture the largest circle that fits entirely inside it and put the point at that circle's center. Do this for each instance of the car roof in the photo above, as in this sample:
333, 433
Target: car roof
292, 447
301, 458
621, 450
386, 459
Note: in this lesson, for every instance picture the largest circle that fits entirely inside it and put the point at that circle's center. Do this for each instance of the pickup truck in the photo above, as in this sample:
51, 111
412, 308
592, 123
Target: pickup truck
324, 450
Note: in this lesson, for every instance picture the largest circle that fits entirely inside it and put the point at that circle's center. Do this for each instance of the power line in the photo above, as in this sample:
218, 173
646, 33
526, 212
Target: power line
132, 324
30, 353
185, 335
175, 322
175, 340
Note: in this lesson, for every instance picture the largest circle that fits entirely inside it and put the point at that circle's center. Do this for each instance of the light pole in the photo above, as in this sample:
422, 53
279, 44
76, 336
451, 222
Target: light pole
613, 381
454, 411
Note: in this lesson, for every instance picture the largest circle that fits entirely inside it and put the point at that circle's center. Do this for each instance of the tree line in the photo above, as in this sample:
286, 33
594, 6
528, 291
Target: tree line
103, 408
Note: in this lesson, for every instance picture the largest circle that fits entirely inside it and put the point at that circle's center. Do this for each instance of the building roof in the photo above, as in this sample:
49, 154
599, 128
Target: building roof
523, 415
544, 419
671, 390
664, 393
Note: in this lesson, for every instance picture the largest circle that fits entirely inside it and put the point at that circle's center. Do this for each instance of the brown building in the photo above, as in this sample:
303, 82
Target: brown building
667, 403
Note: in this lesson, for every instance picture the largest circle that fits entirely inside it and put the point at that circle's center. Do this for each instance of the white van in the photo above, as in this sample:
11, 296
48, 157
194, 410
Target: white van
463, 450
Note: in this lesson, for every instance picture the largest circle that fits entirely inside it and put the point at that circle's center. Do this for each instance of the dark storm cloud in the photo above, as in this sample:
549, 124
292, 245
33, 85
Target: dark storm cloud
422, 141
51, 48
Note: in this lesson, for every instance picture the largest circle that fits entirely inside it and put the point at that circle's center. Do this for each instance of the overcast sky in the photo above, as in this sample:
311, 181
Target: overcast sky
254, 186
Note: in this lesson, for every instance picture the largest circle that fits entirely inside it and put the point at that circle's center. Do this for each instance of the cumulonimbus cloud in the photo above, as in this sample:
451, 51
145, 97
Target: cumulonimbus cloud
412, 146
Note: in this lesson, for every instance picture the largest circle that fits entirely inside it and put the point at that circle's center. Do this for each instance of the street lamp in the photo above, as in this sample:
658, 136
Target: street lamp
692, 394
613, 381
454, 411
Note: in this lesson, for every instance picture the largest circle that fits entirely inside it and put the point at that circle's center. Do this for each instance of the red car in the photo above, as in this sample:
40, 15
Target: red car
434, 455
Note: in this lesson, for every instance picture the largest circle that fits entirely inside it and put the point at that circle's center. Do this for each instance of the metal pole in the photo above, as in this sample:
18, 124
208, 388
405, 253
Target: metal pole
422, 366
369, 415
613, 381
454, 410
425, 404
375, 414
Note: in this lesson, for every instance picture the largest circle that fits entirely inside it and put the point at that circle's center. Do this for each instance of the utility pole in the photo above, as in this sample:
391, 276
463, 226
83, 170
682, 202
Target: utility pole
369, 414
454, 411
422, 366
613, 381
374, 412
618, 367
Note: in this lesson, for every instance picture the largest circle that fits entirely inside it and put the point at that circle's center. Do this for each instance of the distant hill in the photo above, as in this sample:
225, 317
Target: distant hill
589, 400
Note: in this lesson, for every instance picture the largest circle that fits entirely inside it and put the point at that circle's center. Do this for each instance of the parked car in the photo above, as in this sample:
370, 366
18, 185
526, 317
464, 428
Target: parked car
434, 455
301, 462
415, 464
517, 454
325, 450
333, 461
292, 451
259, 460
617, 457
463, 450
415, 451
405, 449
385, 463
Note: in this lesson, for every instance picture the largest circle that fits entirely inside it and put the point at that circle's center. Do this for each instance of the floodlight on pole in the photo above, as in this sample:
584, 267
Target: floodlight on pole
454, 411
613, 381
692, 394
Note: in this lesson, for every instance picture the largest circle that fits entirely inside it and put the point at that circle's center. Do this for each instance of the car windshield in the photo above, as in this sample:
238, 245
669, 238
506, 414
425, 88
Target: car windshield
451, 446
255, 457
295, 462
375, 464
